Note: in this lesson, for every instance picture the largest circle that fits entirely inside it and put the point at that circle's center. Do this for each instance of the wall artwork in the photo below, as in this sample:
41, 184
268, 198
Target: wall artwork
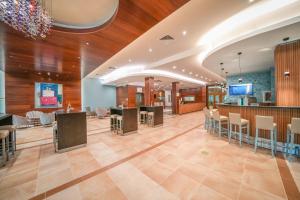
48, 95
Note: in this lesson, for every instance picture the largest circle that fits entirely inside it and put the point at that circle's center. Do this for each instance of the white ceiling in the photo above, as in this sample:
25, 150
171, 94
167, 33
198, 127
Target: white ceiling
81, 14
195, 51
257, 51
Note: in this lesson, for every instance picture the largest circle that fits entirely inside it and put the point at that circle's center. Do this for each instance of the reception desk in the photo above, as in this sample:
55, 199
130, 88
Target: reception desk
282, 117
190, 107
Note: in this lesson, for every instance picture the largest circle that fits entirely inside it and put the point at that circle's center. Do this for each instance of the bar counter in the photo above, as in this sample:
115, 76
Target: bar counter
158, 113
130, 120
190, 107
282, 117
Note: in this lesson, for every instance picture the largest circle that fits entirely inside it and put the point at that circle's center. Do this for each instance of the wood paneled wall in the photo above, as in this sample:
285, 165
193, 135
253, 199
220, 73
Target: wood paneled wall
149, 91
197, 92
282, 117
287, 59
126, 96
19, 93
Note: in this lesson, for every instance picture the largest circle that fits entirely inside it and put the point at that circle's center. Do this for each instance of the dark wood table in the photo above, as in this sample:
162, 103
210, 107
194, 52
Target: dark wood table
158, 113
129, 117
70, 131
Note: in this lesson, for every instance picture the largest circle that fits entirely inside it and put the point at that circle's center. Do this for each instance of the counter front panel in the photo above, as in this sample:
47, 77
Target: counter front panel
282, 117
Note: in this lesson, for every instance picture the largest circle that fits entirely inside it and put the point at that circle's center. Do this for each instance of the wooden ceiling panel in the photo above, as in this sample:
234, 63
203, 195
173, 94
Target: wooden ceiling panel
66, 54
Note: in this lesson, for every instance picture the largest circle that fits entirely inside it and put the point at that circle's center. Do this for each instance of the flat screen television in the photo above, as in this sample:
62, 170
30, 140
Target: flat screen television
241, 89
189, 98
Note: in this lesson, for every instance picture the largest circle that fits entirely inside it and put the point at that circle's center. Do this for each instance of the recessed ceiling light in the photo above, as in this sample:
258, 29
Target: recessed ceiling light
201, 76
265, 49
48, 73
150, 50
184, 33
183, 70
39, 73
174, 67
251, 1
129, 60
78, 57
206, 78
87, 43
191, 73
196, 75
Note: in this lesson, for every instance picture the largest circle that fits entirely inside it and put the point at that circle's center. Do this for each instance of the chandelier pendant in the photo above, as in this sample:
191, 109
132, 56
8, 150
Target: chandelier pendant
27, 16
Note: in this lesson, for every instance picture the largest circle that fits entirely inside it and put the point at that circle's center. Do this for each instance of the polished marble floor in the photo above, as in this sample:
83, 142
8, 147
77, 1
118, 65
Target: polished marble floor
179, 160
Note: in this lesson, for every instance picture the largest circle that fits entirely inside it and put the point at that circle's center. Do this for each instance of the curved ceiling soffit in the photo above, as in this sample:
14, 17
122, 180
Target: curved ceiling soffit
91, 18
280, 15
141, 71
253, 28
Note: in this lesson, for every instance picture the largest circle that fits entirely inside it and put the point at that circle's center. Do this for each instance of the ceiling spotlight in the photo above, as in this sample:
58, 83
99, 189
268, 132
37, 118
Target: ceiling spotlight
201, 76
196, 75
87, 43
174, 67
184, 33
39, 73
183, 70
251, 1
48, 73
129, 60
150, 50
78, 57
191, 73
286, 74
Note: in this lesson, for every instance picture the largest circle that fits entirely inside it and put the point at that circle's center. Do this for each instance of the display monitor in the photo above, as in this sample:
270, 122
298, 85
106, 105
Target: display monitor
241, 89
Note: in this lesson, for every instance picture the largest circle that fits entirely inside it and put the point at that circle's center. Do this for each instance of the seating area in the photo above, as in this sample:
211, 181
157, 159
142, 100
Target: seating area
233, 125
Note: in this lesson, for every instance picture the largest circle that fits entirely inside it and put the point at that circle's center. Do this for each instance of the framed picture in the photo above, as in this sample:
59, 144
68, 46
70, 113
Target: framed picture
48, 95
267, 96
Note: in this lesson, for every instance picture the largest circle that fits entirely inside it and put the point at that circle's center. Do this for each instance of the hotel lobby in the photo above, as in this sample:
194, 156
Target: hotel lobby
160, 99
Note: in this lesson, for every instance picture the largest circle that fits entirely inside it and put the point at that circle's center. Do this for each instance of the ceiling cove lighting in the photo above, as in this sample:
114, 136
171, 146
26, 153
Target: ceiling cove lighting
223, 34
140, 71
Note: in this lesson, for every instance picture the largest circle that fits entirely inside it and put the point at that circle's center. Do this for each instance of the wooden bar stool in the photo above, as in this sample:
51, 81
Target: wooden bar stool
235, 120
4, 141
266, 123
220, 120
143, 117
208, 125
292, 130
12, 134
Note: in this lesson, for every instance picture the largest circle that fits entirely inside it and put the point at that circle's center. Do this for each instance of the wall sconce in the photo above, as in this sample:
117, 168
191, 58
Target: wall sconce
286, 74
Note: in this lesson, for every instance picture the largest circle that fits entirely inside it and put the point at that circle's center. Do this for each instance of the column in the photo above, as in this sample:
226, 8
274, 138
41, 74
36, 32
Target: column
149, 91
174, 92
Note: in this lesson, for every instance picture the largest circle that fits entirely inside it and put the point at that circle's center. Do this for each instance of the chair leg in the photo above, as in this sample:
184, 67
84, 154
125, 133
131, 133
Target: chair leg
275, 141
248, 134
287, 142
220, 128
272, 143
229, 134
240, 129
4, 158
255, 140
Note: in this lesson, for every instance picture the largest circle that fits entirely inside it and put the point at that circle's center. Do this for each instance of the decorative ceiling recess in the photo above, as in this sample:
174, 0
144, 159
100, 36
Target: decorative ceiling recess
82, 14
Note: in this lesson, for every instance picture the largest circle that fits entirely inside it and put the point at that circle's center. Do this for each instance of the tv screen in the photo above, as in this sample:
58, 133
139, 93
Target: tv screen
241, 89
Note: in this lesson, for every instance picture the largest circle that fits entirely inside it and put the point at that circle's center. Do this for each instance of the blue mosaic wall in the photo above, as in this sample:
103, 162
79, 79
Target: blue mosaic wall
262, 81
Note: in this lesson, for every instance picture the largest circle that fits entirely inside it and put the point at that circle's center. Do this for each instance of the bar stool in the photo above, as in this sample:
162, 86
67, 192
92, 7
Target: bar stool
12, 131
235, 120
4, 138
266, 123
113, 122
143, 117
292, 129
119, 124
220, 120
208, 125
150, 119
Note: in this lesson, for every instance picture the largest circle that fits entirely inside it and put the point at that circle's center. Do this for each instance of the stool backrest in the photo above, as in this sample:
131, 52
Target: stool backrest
216, 115
264, 122
235, 118
295, 125
207, 112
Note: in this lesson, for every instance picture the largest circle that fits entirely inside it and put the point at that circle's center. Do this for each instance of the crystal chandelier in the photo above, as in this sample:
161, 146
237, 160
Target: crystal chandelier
27, 16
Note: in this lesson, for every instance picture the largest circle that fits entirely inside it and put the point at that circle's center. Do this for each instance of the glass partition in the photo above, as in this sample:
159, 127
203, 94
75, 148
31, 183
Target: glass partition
2, 92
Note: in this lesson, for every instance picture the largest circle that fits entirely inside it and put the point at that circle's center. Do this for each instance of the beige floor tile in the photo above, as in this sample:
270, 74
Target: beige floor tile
205, 193
71, 193
249, 193
158, 172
